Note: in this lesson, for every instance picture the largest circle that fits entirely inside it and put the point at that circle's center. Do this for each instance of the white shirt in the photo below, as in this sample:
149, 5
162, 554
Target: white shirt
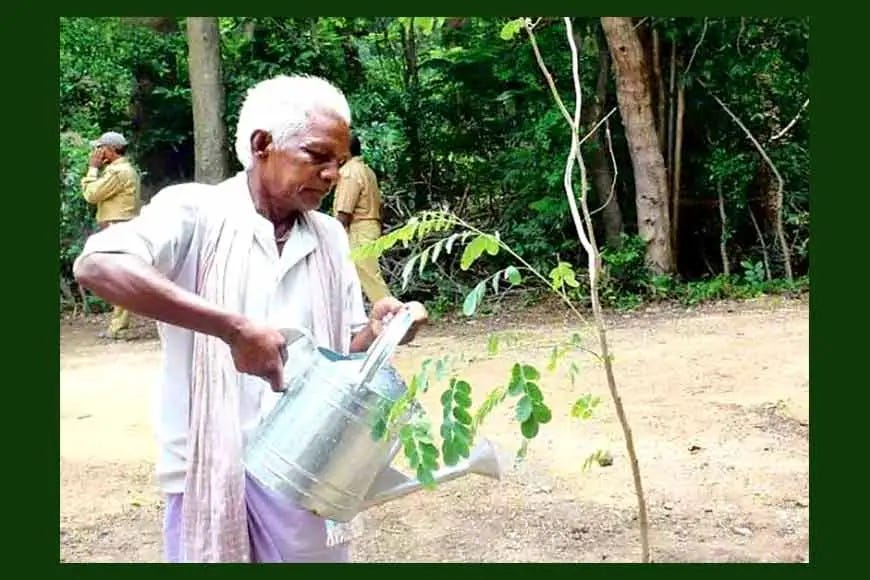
168, 234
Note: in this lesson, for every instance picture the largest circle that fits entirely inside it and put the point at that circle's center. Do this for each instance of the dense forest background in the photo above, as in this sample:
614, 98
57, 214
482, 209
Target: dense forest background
699, 172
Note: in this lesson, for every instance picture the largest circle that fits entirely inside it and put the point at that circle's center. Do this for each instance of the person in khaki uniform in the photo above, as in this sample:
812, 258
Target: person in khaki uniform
357, 206
113, 185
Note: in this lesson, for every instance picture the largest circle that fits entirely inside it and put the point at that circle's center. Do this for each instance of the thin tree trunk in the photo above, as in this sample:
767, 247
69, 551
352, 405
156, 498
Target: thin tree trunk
669, 163
761, 240
635, 106
660, 87
586, 235
710, 269
678, 165
599, 164
723, 237
207, 94
250, 29
409, 47
312, 30
780, 231
355, 72
594, 269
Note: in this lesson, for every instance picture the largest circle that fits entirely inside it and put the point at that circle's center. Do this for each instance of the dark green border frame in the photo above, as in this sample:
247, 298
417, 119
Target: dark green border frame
33, 436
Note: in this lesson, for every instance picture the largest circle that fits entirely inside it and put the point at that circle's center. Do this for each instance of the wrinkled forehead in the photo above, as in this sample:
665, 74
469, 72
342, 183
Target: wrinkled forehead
325, 129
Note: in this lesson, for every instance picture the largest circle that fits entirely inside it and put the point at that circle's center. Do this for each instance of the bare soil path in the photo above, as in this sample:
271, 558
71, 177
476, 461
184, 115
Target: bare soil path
718, 398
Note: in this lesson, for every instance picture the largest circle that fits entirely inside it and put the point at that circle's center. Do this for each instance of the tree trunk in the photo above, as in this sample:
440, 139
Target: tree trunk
660, 87
312, 31
776, 194
414, 153
677, 169
207, 94
635, 106
352, 62
599, 163
723, 237
761, 241
669, 156
250, 29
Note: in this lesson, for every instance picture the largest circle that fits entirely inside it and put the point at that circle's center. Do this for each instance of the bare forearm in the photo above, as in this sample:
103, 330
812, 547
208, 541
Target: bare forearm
131, 283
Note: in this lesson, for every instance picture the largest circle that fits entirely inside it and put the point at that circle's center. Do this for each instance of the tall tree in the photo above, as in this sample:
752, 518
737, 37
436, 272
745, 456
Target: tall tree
635, 107
207, 94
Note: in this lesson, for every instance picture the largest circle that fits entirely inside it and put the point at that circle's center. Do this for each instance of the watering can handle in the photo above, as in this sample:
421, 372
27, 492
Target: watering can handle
384, 345
291, 335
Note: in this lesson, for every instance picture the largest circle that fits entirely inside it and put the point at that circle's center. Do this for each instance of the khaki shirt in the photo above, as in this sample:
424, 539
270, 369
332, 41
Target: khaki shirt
357, 192
116, 192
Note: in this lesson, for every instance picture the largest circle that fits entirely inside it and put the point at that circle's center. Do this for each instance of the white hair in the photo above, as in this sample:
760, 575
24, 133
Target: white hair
281, 106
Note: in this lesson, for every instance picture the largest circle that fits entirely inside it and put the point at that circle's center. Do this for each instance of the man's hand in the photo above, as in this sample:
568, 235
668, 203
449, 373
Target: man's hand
345, 219
259, 351
98, 158
386, 308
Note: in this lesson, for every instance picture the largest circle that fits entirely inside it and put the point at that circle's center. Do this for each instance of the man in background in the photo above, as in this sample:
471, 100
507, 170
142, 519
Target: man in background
357, 206
113, 185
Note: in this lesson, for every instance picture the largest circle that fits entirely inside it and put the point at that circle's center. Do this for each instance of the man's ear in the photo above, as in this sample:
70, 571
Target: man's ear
260, 141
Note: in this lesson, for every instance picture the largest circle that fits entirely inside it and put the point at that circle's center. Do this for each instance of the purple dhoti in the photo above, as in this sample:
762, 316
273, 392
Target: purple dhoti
279, 531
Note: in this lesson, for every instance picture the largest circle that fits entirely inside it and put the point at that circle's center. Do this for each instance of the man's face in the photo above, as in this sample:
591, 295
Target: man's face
109, 154
299, 177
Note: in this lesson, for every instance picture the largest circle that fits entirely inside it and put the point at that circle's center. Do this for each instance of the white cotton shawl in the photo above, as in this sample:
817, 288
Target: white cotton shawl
214, 516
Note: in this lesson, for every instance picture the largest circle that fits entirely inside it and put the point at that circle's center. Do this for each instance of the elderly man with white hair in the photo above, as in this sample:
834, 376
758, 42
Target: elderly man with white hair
222, 267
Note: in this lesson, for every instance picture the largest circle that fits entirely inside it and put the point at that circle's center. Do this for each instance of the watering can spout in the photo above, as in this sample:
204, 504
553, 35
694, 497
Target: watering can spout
391, 484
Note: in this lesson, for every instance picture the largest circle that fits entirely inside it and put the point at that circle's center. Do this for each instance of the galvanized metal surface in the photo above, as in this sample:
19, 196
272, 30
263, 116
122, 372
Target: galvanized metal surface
318, 447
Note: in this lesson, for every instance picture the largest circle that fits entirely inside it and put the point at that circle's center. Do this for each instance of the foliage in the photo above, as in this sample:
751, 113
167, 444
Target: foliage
464, 121
76, 217
119, 75
435, 234
764, 79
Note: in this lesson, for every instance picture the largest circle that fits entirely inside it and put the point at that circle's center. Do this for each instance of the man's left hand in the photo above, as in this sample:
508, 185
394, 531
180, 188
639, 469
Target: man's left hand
386, 308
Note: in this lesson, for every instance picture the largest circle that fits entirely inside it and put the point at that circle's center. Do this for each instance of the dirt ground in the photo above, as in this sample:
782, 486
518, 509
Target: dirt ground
718, 398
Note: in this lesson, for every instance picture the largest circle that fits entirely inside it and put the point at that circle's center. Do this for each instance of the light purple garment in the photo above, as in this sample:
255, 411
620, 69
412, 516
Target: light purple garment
279, 532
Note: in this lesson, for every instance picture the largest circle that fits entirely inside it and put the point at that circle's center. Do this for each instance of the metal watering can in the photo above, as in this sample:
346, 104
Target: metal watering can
317, 447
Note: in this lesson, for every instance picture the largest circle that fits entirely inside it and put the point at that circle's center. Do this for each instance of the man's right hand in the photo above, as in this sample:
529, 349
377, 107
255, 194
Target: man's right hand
259, 351
345, 219
97, 158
